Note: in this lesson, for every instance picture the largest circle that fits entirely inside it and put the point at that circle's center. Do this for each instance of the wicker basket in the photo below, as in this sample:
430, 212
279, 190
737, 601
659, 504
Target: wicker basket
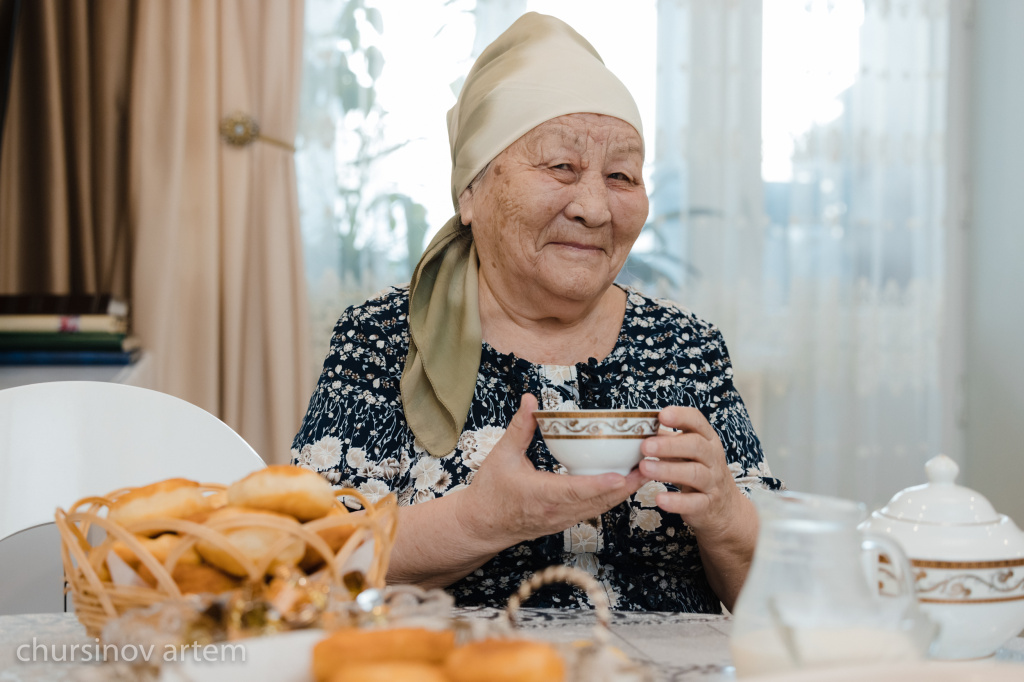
97, 599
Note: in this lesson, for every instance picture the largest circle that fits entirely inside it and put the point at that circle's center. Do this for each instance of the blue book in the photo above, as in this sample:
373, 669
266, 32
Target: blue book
68, 357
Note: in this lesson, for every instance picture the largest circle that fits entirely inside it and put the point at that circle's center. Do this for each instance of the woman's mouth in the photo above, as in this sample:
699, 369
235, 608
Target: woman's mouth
578, 246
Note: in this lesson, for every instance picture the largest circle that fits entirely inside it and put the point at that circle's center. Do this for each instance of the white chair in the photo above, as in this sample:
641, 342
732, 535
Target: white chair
33, 575
62, 441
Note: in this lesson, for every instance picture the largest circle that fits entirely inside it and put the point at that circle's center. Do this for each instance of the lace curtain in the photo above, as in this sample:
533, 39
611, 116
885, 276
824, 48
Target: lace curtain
829, 289
372, 149
827, 279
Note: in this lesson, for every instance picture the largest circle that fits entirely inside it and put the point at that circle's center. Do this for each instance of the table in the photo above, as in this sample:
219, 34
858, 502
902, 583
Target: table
680, 647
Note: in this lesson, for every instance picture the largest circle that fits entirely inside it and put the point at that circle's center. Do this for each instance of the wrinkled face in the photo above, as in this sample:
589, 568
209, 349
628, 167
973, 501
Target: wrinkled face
557, 212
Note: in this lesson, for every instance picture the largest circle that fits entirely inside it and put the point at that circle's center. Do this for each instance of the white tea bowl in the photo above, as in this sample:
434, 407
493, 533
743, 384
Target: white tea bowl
589, 442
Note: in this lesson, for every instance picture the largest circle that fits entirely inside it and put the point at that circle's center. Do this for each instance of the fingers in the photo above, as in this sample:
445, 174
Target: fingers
683, 473
681, 446
687, 420
590, 495
708, 514
584, 489
636, 479
597, 497
687, 504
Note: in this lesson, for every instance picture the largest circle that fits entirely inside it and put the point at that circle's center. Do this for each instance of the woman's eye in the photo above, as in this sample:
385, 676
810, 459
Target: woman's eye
620, 176
563, 166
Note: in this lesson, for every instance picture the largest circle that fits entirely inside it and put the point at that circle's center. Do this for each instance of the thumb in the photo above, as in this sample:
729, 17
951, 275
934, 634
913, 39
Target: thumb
517, 437
521, 428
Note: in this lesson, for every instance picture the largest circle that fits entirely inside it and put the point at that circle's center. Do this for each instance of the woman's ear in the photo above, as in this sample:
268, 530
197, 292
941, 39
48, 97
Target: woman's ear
466, 205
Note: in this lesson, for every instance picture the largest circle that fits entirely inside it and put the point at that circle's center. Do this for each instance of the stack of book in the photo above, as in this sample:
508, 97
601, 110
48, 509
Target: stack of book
77, 329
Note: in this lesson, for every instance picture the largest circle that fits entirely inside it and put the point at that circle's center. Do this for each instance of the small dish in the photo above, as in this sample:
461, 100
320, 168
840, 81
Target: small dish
284, 657
589, 442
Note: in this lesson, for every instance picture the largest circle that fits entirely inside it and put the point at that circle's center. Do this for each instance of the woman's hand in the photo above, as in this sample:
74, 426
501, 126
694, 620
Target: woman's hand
721, 517
693, 459
510, 501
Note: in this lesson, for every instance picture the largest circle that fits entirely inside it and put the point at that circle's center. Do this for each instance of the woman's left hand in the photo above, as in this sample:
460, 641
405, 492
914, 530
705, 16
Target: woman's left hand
722, 518
694, 461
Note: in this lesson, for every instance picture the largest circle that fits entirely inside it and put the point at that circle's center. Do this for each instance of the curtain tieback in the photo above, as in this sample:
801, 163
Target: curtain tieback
241, 130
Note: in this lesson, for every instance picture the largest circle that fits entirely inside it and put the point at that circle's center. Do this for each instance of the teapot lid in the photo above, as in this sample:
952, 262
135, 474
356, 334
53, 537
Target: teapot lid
940, 501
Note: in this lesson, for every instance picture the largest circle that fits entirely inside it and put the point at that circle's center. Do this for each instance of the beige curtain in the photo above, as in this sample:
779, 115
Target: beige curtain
63, 218
219, 290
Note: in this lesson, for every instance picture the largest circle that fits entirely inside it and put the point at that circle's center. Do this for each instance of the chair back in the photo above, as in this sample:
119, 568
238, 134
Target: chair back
61, 441
33, 575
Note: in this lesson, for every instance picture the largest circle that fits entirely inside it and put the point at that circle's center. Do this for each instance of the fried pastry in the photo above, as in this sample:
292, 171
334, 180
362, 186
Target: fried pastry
252, 540
335, 538
390, 672
195, 578
174, 498
350, 646
505, 660
284, 489
160, 547
218, 499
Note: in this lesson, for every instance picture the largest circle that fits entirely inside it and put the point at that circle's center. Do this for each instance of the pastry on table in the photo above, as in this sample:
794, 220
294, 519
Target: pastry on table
350, 646
505, 660
402, 671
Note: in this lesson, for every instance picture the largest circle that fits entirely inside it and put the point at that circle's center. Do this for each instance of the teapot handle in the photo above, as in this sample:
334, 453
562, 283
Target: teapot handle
886, 554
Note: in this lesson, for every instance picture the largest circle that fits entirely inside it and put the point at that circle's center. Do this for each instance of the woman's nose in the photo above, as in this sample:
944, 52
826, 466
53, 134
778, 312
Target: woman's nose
590, 206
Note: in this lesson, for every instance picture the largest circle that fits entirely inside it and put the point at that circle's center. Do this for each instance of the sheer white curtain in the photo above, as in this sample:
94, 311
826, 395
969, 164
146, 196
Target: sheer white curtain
829, 290
372, 152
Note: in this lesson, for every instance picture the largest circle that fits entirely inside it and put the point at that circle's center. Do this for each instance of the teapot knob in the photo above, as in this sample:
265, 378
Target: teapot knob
941, 469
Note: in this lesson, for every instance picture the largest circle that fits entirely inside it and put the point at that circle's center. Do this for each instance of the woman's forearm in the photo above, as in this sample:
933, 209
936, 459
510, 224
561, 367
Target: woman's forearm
434, 549
727, 556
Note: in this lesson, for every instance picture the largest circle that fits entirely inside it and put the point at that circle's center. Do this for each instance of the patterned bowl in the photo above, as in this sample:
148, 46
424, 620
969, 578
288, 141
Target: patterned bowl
588, 442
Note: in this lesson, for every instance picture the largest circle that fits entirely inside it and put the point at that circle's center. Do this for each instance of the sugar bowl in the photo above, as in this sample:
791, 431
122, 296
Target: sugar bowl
968, 561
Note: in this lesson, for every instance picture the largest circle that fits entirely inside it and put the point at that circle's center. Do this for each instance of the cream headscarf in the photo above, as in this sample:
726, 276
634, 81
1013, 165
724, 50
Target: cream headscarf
537, 70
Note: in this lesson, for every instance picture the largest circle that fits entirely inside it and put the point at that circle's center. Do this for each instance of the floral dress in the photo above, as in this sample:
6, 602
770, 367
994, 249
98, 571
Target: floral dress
355, 434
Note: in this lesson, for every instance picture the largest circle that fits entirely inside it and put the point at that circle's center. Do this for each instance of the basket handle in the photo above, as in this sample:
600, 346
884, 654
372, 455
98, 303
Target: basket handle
573, 576
383, 516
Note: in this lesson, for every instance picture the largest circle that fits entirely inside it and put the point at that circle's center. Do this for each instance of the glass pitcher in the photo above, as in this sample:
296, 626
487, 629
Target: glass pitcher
812, 597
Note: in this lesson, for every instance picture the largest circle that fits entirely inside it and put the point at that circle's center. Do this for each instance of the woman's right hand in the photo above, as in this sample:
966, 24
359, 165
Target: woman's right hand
510, 501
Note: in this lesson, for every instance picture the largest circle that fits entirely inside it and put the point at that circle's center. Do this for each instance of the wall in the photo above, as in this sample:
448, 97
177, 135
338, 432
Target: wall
995, 260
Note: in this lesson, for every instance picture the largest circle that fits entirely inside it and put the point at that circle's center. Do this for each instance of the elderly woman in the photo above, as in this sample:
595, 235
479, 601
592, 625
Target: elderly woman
428, 390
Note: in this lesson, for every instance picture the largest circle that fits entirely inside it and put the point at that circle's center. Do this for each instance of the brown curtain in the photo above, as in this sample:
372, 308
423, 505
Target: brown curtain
114, 177
219, 289
63, 217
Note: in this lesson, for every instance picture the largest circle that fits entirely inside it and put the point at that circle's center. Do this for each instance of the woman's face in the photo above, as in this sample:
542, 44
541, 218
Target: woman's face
557, 212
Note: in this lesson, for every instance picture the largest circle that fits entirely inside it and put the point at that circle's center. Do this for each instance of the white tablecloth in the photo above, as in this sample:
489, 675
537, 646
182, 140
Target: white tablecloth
680, 647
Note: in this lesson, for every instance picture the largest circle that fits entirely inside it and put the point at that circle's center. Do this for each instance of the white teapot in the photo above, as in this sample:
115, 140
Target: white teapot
968, 561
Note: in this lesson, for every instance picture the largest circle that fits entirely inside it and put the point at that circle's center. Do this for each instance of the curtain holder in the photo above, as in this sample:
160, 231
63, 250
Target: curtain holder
241, 130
